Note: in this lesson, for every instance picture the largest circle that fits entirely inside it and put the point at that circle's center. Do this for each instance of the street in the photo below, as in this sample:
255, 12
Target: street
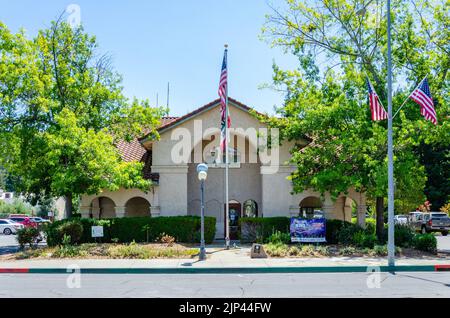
226, 285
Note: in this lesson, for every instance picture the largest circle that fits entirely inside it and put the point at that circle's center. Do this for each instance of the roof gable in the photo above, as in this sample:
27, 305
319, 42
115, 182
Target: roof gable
175, 121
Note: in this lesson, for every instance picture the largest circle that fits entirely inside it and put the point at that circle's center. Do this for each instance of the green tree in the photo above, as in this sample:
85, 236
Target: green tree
326, 97
62, 113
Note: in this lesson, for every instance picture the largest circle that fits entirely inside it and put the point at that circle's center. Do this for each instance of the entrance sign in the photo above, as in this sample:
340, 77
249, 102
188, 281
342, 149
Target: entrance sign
308, 230
97, 231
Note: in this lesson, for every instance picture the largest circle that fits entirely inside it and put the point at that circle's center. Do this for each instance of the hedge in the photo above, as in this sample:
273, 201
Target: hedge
185, 229
259, 229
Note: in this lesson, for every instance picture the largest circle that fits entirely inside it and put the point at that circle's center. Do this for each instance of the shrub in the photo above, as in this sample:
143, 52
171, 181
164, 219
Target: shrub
346, 234
184, 229
279, 237
71, 228
380, 250
364, 240
277, 250
28, 235
260, 229
425, 242
166, 239
404, 235
348, 251
333, 227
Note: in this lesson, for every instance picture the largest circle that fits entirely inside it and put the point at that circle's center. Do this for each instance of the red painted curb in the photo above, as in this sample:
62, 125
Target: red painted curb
442, 268
14, 270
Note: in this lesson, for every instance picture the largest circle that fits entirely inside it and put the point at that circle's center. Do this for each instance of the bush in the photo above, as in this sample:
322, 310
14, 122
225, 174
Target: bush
425, 242
333, 228
260, 229
404, 235
346, 234
364, 240
28, 235
72, 229
185, 229
279, 237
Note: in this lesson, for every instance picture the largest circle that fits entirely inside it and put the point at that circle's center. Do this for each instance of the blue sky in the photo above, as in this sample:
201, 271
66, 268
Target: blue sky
177, 41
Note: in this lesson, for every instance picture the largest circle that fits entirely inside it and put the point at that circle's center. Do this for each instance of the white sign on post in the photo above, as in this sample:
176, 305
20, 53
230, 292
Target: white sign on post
97, 231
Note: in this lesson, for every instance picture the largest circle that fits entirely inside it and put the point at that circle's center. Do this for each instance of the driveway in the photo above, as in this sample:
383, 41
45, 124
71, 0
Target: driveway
8, 244
443, 243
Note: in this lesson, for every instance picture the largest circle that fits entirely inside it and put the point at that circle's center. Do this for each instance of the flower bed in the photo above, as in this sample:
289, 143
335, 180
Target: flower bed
111, 251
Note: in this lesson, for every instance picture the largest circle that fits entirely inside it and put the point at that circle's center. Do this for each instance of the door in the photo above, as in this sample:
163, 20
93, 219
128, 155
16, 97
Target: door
234, 216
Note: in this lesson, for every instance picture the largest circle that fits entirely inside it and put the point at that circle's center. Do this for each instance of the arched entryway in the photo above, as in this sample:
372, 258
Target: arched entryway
137, 207
104, 207
310, 207
235, 213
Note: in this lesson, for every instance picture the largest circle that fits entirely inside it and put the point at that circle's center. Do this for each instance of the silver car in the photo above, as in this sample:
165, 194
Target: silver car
8, 227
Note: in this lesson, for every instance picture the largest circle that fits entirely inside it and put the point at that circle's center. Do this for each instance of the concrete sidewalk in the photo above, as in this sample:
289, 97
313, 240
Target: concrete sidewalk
221, 259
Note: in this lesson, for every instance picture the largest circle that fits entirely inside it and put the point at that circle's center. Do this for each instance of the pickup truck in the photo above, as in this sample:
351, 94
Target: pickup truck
433, 222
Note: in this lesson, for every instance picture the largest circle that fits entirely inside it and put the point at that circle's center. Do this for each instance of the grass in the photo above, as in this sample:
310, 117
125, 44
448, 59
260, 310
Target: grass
115, 251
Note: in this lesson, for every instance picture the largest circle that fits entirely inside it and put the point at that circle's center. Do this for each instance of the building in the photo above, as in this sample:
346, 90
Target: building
7, 197
259, 185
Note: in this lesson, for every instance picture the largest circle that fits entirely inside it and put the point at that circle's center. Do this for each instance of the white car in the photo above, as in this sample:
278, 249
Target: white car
9, 227
401, 219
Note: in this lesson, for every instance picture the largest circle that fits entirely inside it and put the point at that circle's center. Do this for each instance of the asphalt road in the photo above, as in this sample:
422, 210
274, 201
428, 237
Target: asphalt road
228, 285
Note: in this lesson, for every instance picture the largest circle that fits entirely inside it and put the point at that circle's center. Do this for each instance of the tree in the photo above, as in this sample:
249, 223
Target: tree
326, 98
62, 113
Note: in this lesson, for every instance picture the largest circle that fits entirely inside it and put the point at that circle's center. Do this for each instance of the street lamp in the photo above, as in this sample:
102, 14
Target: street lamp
202, 170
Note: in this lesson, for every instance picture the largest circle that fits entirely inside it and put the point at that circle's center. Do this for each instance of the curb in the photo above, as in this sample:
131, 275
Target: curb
231, 270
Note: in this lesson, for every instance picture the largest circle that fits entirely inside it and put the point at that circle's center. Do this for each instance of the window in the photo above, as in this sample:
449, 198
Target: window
250, 209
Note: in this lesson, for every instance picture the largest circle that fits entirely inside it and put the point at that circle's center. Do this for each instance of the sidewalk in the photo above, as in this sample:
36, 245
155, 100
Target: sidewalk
234, 260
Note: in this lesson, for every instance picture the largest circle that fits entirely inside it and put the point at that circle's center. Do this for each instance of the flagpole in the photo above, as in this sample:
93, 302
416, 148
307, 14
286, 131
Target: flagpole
391, 232
227, 201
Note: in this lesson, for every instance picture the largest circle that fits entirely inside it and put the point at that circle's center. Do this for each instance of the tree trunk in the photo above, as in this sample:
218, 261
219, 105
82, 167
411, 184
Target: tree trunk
68, 205
380, 217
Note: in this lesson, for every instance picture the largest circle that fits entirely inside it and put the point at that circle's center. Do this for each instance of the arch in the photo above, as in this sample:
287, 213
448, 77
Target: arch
137, 207
309, 206
250, 209
345, 207
103, 208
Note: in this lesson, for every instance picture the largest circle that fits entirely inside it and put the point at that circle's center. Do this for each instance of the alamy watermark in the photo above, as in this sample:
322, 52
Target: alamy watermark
73, 15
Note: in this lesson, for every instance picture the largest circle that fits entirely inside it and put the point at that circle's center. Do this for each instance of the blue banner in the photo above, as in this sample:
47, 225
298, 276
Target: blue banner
308, 230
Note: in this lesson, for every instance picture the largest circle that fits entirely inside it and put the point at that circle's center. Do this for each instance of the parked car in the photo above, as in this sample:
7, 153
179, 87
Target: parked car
433, 222
39, 220
401, 219
26, 221
9, 227
413, 216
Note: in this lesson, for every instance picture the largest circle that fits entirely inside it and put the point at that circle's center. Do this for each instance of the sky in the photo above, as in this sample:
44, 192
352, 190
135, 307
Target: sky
178, 41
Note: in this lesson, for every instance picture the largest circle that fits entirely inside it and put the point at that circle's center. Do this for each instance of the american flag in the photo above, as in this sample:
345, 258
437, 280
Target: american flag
224, 117
422, 96
378, 111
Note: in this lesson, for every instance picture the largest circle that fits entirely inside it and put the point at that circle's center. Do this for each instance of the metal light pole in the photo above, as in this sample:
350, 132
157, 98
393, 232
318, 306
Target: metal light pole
202, 170
391, 232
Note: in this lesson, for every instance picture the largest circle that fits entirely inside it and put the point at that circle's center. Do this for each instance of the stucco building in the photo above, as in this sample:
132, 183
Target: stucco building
258, 182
